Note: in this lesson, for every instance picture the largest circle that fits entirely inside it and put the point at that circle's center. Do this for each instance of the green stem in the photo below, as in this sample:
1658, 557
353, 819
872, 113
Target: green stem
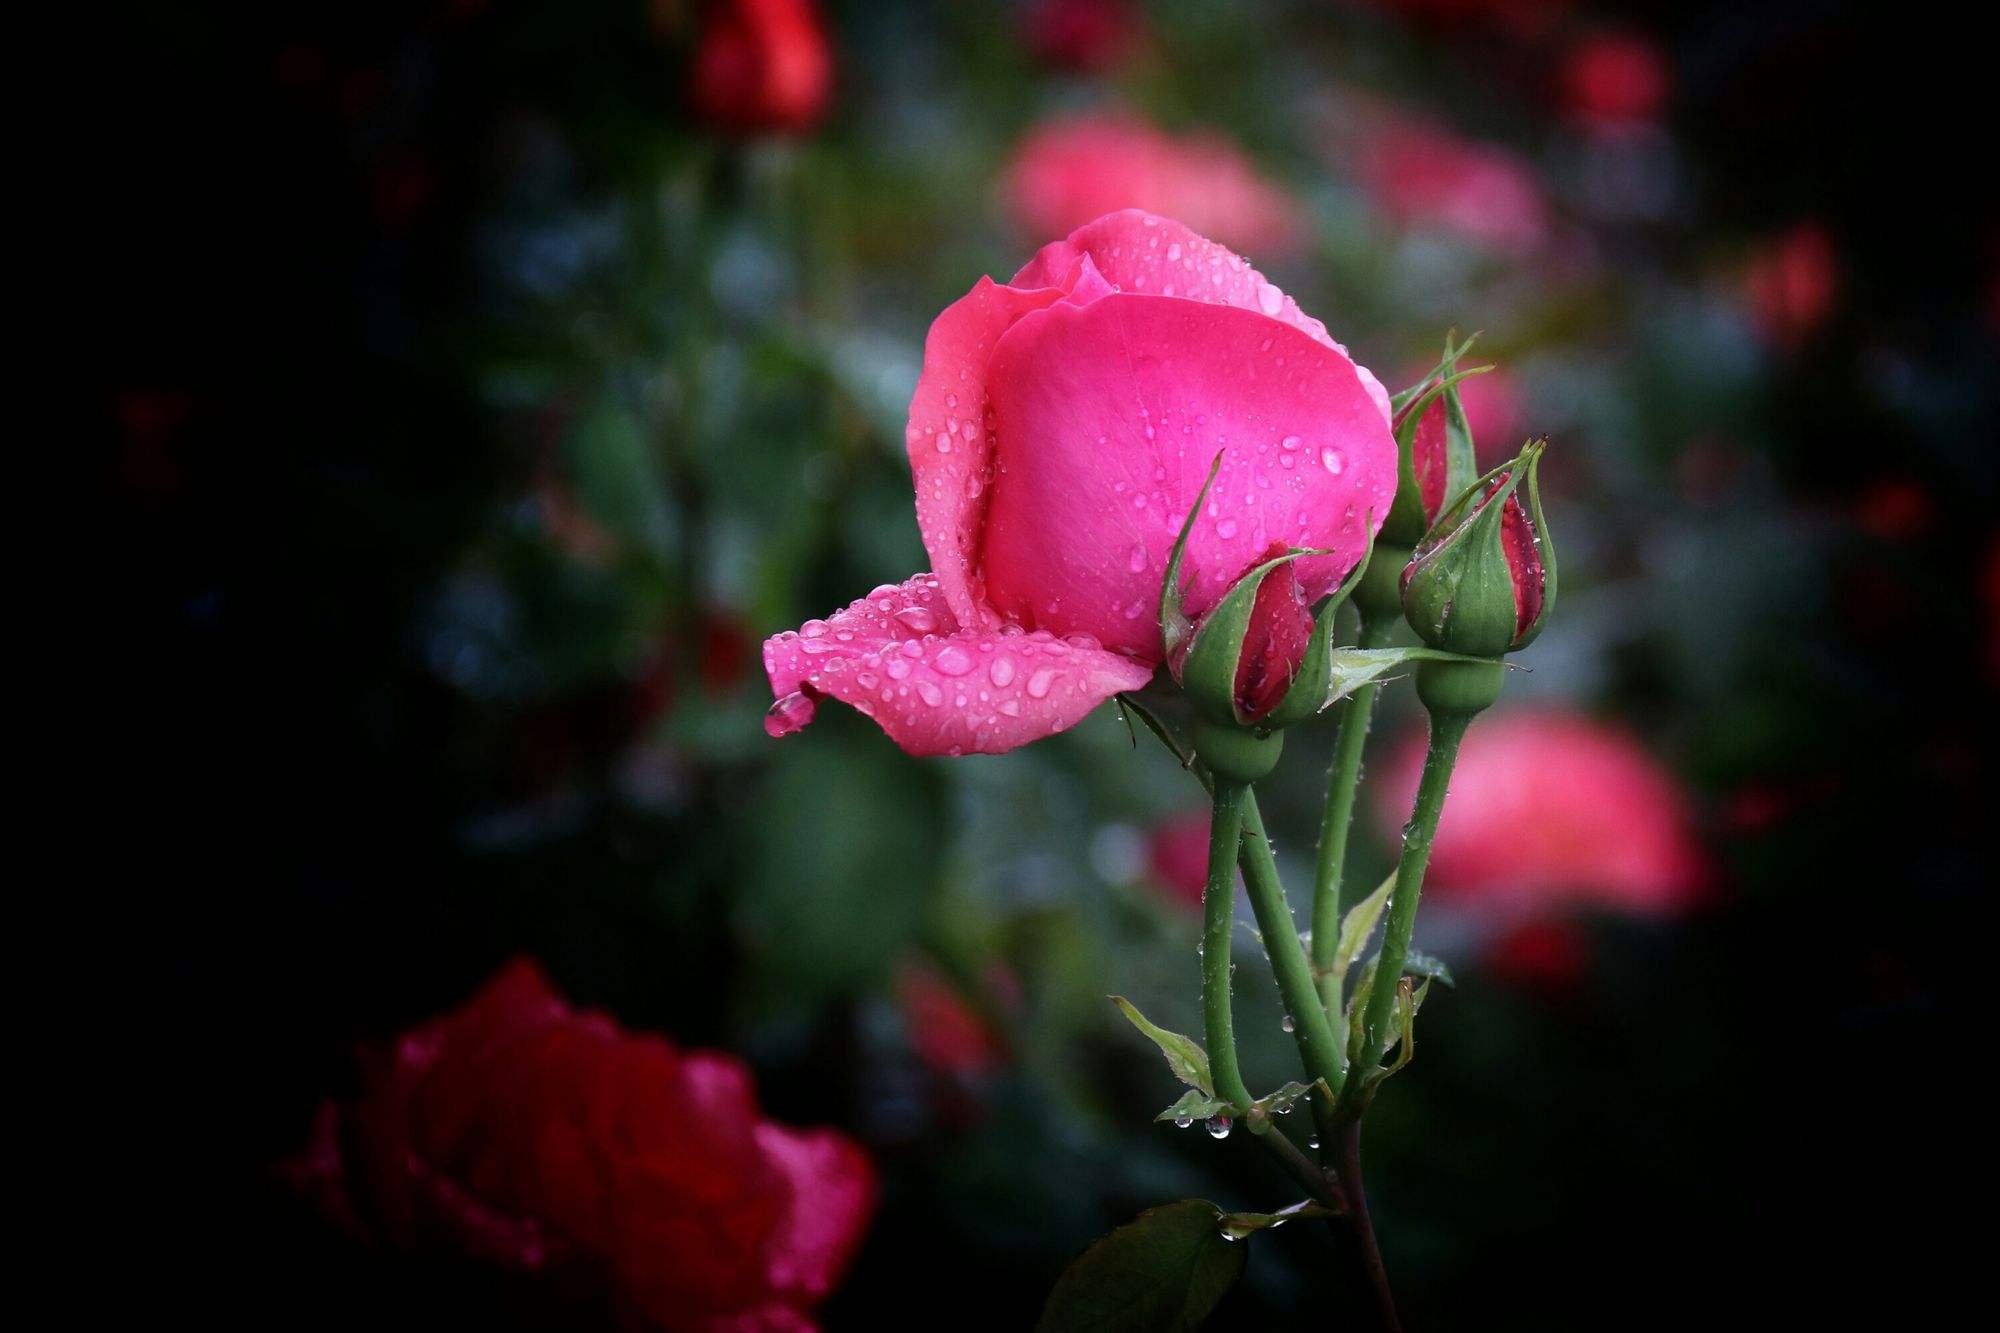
1343, 779
1447, 730
1320, 1052
1219, 924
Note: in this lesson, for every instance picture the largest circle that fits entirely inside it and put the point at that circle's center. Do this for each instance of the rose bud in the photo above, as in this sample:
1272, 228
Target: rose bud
1059, 436
762, 66
1434, 448
1483, 579
520, 1132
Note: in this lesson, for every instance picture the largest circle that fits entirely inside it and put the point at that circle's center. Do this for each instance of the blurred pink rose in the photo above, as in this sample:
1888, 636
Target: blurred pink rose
1067, 172
944, 1030
1791, 283
1422, 175
1084, 35
762, 66
1492, 403
1061, 429
1545, 954
1613, 77
1177, 856
1551, 809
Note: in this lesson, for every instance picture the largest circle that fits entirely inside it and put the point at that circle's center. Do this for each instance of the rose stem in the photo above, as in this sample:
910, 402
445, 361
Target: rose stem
1218, 926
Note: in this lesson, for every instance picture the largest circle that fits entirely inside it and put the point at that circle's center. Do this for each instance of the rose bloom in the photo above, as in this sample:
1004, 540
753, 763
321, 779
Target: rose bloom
1615, 78
762, 66
1088, 36
1177, 856
1422, 175
1549, 810
519, 1131
1067, 172
1791, 283
1062, 426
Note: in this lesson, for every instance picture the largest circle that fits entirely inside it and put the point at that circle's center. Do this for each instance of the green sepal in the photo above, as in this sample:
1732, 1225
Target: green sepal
1184, 1055
1401, 398
1175, 627
1208, 672
1458, 593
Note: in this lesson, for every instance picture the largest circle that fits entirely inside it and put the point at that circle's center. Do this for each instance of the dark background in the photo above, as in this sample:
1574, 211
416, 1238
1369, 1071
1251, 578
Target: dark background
373, 265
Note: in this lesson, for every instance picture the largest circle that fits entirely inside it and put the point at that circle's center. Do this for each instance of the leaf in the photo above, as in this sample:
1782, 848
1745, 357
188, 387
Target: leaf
1163, 1272
1281, 1101
1402, 1029
1186, 1058
1238, 1225
1359, 924
1355, 667
1193, 1105
1423, 965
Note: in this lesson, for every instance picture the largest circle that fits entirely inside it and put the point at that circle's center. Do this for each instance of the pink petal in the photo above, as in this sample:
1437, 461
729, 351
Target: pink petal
833, 1192
1108, 416
950, 445
1140, 252
898, 657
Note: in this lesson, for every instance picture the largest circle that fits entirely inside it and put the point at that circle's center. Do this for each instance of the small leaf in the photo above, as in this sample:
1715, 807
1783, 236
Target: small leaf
1194, 1105
1359, 924
1238, 1225
1163, 1272
1186, 1058
1423, 965
1284, 1098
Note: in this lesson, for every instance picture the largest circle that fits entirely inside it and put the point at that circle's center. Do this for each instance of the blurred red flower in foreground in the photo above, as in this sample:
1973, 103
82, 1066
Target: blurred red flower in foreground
1791, 283
763, 65
1615, 77
1550, 810
1084, 35
1068, 172
1422, 175
521, 1132
1177, 856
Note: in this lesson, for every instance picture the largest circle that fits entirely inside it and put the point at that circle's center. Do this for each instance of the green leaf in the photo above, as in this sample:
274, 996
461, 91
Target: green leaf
1355, 667
1193, 1105
1281, 1101
1188, 1061
1163, 1272
1402, 1030
1423, 965
1359, 924
1238, 1225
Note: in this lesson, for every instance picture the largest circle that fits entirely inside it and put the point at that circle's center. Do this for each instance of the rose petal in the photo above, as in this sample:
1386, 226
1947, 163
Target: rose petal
1118, 408
833, 1194
1141, 252
897, 656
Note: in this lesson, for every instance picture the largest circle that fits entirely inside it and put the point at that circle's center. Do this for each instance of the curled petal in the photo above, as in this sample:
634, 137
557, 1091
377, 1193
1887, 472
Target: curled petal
833, 1194
1141, 252
897, 657
1127, 401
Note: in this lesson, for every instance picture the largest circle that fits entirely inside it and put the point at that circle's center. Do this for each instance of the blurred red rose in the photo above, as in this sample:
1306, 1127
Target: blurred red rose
1177, 856
1545, 954
1791, 282
1550, 810
1085, 35
1492, 403
944, 1030
763, 66
1069, 172
1615, 77
1422, 175
519, 1131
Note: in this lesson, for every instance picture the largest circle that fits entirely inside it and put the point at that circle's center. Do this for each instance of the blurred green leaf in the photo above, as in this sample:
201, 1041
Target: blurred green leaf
1161, 1273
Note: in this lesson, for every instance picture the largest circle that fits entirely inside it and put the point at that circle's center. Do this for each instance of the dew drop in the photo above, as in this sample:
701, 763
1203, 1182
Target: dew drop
929, 693
1218, 1127
1331, 459
918, 619
1002, 671
1039, 683
953, 661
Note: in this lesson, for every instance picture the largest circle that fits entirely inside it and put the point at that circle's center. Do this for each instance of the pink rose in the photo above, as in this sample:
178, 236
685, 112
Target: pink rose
1551, 809
1422, 175
1067, 172
1061, 429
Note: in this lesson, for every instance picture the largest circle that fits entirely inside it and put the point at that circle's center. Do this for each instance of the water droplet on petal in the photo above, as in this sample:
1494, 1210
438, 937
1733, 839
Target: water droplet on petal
1002, 670
929, 693
953, 661
918, 619
788, 715
1039, 683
